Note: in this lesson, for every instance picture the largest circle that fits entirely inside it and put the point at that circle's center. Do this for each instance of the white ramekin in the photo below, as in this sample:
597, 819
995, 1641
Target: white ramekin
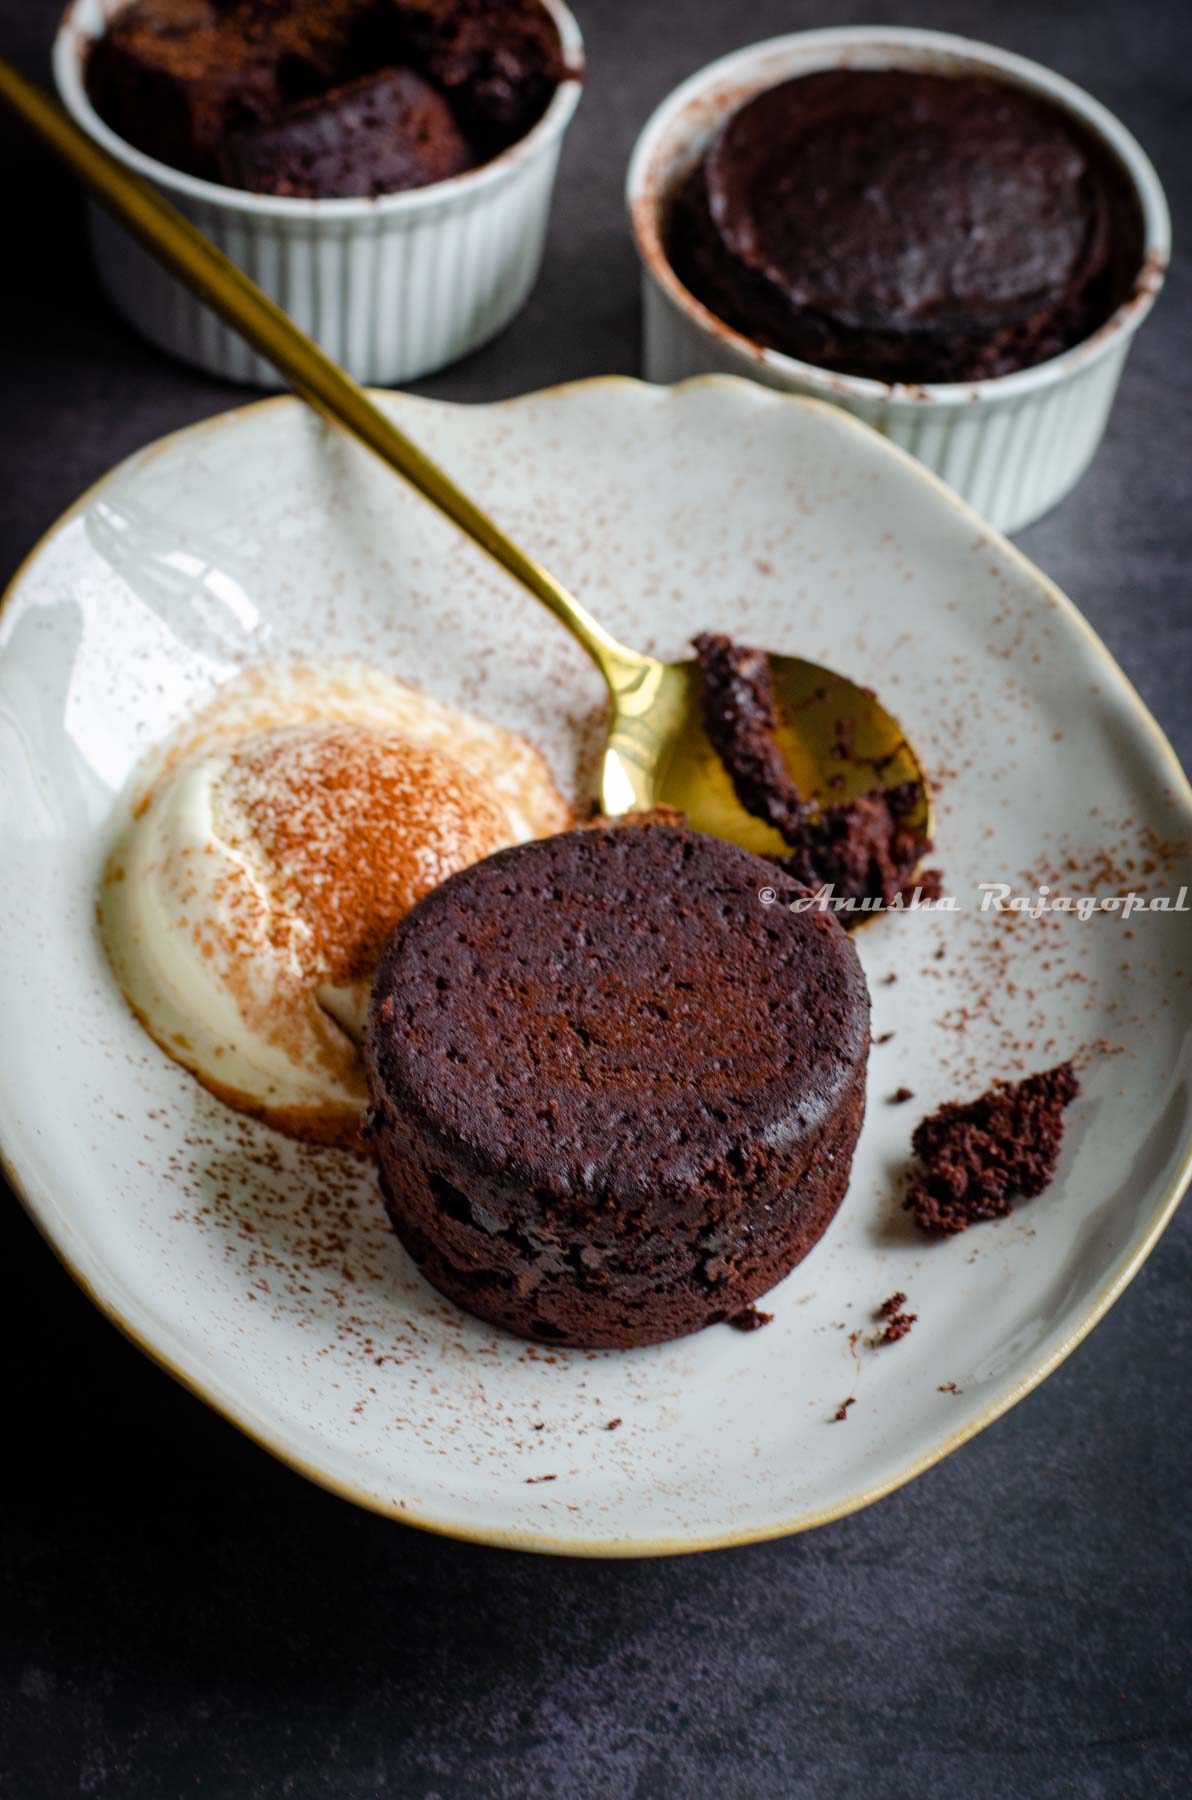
392, 288
1012, 446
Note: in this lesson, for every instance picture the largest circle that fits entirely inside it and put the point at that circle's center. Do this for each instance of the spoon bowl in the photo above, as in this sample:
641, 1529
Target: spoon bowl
837, 740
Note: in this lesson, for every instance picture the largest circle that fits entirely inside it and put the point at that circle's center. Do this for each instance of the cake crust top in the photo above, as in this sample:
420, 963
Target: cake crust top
617, 1007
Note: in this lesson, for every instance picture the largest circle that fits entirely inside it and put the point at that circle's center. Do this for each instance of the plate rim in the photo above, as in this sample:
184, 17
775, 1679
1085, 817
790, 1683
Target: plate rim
40, 1205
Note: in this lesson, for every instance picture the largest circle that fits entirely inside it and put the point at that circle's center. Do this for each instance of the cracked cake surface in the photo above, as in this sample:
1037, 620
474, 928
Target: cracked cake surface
906, 225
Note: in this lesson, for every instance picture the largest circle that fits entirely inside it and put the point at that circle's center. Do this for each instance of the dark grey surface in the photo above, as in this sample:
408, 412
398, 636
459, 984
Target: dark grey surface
180, 1615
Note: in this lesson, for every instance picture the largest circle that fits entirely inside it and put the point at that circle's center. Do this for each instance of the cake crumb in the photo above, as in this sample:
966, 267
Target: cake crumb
533, 1480
901, 1095
612, 1424
979, 1156
898, 1321
841, 1413
947, 1387
752, 1319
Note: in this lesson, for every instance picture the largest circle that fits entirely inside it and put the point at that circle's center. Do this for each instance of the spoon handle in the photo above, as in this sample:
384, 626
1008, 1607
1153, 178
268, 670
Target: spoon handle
322, 383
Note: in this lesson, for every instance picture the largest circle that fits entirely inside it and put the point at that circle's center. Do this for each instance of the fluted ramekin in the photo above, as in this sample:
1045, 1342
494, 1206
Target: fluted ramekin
1011, 446
392, 288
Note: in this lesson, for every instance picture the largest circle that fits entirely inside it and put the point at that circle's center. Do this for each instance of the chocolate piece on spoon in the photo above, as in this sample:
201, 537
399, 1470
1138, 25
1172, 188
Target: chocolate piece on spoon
866, 848
741, 717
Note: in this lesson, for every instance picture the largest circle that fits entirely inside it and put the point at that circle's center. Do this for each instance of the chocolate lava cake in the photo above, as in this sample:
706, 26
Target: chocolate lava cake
615, 1096
319, 99
907, 226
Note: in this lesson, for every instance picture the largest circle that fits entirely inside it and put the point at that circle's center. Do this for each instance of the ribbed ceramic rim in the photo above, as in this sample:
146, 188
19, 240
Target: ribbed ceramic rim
644, 190
545, 1543
68, 75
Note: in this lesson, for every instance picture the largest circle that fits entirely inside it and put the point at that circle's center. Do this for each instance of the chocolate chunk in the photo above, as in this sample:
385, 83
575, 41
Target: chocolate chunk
376, 135
325, 98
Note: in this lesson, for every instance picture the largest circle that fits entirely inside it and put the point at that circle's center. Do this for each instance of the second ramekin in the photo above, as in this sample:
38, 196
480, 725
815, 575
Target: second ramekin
392, 288
1012, 446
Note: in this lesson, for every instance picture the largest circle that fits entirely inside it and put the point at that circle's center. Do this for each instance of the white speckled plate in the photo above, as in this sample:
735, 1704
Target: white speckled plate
264, 1275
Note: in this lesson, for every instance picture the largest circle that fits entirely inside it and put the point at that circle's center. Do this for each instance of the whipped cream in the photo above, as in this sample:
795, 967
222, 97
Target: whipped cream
270, 848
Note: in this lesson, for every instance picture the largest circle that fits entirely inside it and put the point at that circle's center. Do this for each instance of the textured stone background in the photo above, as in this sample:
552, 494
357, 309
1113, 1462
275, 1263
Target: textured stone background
179, 1615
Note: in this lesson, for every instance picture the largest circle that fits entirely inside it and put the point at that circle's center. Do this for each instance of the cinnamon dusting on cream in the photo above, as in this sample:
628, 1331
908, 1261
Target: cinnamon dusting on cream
270, 849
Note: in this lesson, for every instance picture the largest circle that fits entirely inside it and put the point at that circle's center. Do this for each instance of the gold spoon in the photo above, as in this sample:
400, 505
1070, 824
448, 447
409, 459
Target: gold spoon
657, 751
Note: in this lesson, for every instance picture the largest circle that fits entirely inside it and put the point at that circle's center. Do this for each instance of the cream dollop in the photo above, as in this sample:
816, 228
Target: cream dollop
271, 847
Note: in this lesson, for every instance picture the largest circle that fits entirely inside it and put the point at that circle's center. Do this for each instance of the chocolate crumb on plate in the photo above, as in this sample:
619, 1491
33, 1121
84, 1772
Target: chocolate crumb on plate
752, 1319
901, 1095
978, 1157
898, 1321
841, 1413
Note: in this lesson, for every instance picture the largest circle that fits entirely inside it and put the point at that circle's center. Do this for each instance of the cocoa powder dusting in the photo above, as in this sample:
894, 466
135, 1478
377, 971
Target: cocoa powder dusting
322, 805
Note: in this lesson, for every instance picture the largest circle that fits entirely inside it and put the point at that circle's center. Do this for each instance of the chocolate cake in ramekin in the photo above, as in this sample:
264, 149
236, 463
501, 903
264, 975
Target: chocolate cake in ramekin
615, 1095
382, 169
952, 243
907, 225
